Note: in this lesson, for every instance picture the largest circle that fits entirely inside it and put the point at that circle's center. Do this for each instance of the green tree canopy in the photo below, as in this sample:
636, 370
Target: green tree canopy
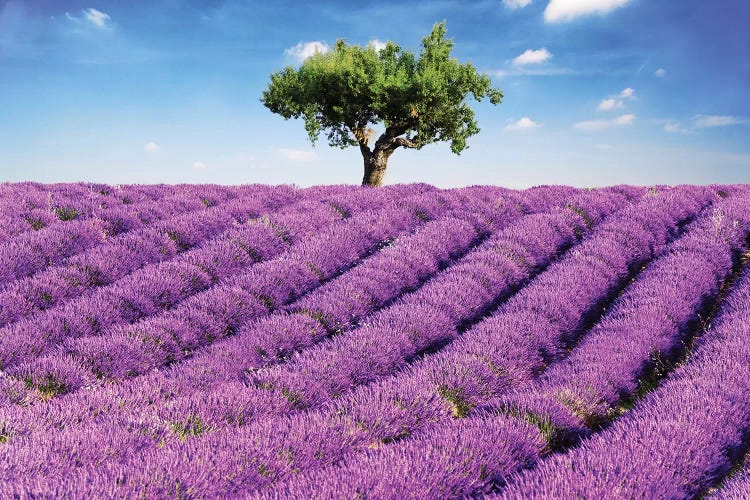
418, 100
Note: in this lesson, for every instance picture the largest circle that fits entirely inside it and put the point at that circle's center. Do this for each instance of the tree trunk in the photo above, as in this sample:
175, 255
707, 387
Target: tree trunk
375, 165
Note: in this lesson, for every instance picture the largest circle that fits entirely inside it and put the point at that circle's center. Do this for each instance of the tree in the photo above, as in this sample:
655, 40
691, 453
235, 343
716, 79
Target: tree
419, 101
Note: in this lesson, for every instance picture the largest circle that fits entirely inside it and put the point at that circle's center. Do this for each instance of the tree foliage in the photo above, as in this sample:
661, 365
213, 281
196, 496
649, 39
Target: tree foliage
351, 88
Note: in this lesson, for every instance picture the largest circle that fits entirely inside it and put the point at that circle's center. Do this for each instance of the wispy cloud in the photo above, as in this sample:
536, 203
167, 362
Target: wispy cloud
524, 123
676, 128
303, 50
661, 73
643, 66
516, 4
628, 93
199, 165
700, 122
298, 155
567, 10
151, 147
532, 57
709, 121
92, 16
594, 125
610, 104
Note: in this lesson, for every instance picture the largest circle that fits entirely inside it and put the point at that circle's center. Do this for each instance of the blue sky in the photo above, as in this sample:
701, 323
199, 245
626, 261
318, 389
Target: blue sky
597, 92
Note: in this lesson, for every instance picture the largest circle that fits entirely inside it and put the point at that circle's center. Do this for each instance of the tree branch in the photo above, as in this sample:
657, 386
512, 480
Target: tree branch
404, 142
365, 150
387, 138
362, 136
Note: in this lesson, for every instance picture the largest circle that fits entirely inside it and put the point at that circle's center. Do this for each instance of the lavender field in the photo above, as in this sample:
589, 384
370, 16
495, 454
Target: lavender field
205, 341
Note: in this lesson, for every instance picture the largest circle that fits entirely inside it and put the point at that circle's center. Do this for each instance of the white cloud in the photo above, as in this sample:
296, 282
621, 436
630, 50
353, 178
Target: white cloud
298, 155
524, 123
151, 147
708, 121
661, 72
624, 119
532, 57
376, 44
594, 125
567, 10
199, 165
610, 104
617, 102
676, 128
704, 121
302, 51
516, 4
91, 16
96, 17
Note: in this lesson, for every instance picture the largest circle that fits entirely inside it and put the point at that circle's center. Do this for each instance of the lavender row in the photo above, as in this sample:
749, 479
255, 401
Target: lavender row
350, 237
461, 294
192, 423
263, 281
634, 344
457, 236
113, 216
339, 305
30, 207
735, 488
121, 299
559, 404
510, 347
32, 252
270, 279
415, 323
684, 436
37, 191
164, 347
106, 264
154, 288
119, 256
